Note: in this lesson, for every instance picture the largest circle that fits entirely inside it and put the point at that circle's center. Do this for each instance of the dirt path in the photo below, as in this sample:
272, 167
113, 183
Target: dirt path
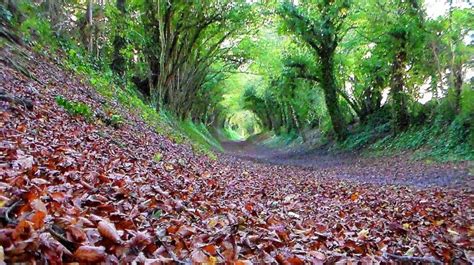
350, 166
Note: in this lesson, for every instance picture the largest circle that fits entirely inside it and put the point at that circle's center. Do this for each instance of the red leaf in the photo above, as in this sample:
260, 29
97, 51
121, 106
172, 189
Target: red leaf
172, 229
38, 219
295, 261
58, 196
77, 234
211, 249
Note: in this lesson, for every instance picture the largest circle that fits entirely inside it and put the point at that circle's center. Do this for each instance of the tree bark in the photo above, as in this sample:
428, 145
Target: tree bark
328, 84
89, 22
118, 61
400, 117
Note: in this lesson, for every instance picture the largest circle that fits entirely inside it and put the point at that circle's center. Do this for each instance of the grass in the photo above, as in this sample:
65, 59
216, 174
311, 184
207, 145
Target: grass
231, 134
75, 108
199, 134
285, 140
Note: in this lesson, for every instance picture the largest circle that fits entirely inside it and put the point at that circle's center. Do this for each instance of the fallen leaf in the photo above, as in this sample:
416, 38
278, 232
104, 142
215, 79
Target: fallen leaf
38, 219
354, 196
90, 254
108, 231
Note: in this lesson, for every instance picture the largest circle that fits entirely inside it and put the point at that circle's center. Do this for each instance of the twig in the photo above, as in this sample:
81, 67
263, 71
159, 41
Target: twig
71, 246
411, 259
11, 208
170, 252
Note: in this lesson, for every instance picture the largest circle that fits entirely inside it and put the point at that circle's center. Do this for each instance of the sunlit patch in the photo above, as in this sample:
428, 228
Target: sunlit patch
243, 124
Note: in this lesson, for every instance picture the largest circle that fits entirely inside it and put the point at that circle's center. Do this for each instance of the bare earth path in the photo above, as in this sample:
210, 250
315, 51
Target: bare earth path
350, 166
73, 190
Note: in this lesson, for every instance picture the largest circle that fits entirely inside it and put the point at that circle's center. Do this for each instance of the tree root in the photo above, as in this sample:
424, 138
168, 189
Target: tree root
8, 35
5, 96
20, 68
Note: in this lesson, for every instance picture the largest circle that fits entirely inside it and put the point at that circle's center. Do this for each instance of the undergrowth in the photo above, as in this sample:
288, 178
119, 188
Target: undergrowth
162, 121
440, 140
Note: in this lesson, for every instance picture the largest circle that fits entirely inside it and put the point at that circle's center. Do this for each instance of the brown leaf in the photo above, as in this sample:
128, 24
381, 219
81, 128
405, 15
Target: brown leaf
77, 235
186, 231
354, 196
108, 231
22, 231
90, 254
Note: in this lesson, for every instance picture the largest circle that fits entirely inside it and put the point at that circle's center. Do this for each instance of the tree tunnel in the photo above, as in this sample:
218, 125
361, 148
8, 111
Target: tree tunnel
240, 125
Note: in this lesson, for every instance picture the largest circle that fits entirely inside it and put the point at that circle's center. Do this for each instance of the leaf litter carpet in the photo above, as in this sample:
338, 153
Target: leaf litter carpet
79, 191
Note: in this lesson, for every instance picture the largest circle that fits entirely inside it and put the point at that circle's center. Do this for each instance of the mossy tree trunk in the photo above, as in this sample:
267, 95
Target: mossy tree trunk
328, 83
400, 117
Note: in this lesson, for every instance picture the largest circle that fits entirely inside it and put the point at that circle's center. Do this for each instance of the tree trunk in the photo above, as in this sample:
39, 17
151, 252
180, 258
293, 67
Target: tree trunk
328, 84
53, 13
268, 118
455, 85
400, 115
118, 62
89, 20
455, 77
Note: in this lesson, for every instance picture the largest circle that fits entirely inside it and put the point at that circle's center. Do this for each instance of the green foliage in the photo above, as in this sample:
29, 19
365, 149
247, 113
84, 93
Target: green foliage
283, 140
36, 29
232, 135
255, 68
157, 214
441, 142
116, 120
163, 122
375, 128
75, 108
467, 99
440, 139
200, 135
157, 157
